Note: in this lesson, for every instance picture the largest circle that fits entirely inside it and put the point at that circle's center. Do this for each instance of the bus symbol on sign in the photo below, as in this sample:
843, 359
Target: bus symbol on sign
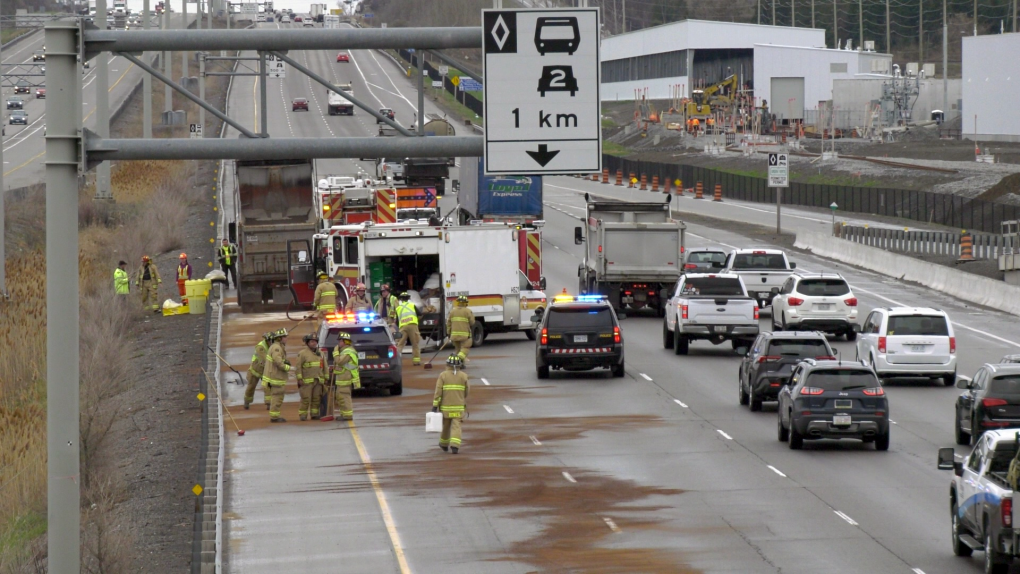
557, 35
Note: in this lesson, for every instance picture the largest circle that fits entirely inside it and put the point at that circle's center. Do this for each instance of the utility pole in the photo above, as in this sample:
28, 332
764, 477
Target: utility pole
975, 25
103, 107
146, 80
860, 21
625, 16
773, 22
920, 32
793, 13
420, 56
201, 89
835, 25
888, 44
759, 11
812, 13
184, 53
264, 113
63, 497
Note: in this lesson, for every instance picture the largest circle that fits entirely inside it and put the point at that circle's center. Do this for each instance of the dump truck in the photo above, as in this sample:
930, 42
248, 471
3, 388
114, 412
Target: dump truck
339, 105
633, 253
514, 198
273, 207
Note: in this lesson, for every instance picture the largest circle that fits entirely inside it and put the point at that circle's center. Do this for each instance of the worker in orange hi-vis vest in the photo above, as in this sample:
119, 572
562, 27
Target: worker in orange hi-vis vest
183, 273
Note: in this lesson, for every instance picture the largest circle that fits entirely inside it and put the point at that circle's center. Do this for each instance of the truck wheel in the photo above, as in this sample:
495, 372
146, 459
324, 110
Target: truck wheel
681, 345
796, 439
993, 560
962, 438
543, 371
949, 380
667, 336
851, 335
618, 371
660, 309
477, 334
959, 548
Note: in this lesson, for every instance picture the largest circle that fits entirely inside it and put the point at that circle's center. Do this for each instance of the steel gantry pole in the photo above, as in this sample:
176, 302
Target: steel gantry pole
146, 80
888, 43
63, 78
103, 108
168, 67
184, 53
3, 251
945, 64
263, 112
420, 55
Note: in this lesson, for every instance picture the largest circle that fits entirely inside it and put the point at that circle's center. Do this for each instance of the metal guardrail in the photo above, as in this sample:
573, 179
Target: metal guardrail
986, 245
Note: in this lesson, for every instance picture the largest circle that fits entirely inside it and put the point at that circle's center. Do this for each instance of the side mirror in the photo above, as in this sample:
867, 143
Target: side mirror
536, 318
964, 382
856, 327
947, 460
621, 316
578, 237
742, 351
774, 290
541, 283
793, 265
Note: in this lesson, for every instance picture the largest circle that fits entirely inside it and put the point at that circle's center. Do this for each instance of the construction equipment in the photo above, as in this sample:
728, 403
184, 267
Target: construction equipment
704, 101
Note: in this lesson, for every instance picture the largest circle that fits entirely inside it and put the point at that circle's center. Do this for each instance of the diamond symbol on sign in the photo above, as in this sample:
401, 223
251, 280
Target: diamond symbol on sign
500, 36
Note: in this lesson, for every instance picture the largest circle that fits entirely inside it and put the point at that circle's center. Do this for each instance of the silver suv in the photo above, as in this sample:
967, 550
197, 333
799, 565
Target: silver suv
909, 342
816, 302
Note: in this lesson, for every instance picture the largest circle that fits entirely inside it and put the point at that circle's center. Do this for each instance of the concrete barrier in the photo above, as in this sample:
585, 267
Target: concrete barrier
960, 284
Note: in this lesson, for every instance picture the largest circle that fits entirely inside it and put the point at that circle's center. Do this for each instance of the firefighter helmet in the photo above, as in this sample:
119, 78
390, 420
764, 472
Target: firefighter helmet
344, 336
405, 296
310, 337
462, 299
360, 287
268, 336
455, 361
146, 259
322, 275
280, 333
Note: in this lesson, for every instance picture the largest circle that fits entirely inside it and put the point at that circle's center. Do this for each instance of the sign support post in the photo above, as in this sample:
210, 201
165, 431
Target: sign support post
779, 177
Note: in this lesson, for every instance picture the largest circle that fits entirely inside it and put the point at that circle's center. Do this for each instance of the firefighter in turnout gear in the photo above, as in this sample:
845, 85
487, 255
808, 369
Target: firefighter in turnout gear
360, 301
275, 375
459, 324
257, 367
147, 281
309, 377
325, 296
345, 375
451, 399
407, 322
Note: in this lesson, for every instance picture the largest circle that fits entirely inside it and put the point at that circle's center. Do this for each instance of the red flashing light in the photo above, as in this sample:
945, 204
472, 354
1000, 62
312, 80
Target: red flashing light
545, 337
616, 334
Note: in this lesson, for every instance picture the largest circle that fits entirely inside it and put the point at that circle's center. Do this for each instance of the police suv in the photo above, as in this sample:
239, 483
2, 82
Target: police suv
378, 361
578, 333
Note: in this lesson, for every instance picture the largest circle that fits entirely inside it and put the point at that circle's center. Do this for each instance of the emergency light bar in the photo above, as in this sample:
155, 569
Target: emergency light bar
580, 298
360, 317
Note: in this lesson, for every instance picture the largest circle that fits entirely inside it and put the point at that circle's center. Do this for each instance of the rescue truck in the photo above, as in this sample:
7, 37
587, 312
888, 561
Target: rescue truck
346, 201
497, 266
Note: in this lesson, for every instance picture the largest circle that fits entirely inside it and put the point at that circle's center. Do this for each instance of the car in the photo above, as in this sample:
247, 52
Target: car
991, 400
39, 55
816, 301
298, 19
909, 342
557, 79
285, 20
22, 87
385, 112
40, 93
308, 24
1010, 359
713, 307
833, 399
343, 57
269, 18
378, 362
770, 360
15, 103
704, 260
18, 117
578, 333
299, 104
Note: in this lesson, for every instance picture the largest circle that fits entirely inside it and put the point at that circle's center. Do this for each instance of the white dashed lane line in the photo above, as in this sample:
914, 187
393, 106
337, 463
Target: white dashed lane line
645, 377
843, 515
535, 440
677, 401
724, 435
485, 382
776, 470
508, 409
569, 478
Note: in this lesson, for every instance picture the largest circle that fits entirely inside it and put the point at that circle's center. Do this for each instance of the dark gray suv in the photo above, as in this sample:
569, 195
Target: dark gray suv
767, 365
833, 399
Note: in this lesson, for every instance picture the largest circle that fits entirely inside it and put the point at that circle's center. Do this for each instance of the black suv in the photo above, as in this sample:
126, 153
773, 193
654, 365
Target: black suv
991, 401
578, 334
833, 399
378, 361
767, 365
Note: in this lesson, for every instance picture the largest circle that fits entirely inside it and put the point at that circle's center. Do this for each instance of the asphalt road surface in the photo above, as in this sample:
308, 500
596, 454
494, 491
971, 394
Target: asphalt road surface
661, 471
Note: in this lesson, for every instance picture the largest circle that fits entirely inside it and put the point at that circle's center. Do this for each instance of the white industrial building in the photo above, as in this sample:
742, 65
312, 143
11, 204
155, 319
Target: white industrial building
677, 55
991, 82
795, 79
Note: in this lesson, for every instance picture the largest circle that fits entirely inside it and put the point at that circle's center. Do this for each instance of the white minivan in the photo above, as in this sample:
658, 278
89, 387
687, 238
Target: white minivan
909, 342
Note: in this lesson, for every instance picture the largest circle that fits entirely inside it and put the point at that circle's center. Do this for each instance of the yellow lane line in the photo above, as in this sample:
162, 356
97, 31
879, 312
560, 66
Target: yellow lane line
6, 173
383, 506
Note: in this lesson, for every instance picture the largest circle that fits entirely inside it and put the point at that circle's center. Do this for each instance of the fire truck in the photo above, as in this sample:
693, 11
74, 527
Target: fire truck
497, 266
345, 201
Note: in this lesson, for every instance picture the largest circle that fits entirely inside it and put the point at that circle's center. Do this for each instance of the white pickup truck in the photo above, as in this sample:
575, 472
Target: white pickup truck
763, 270
981, 500
710, 306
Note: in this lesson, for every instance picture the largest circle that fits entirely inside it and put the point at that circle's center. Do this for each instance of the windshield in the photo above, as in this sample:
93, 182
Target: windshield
360, 335
1007, 385
841, 380
706, 257
931, 325
803, 348
728, 286
759, 261
823, 287
580, 318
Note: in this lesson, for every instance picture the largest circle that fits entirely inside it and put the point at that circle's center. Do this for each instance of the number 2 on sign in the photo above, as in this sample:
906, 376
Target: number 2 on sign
517, 117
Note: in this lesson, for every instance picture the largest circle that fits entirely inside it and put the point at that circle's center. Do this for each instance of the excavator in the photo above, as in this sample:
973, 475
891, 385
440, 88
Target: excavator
720, 94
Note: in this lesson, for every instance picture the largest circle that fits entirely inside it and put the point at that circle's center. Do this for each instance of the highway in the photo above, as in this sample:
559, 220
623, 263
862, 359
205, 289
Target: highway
24, 146
661, 471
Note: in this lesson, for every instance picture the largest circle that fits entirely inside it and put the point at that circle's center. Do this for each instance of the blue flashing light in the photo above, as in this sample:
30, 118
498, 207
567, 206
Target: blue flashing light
367, 329
591, 298
366, 316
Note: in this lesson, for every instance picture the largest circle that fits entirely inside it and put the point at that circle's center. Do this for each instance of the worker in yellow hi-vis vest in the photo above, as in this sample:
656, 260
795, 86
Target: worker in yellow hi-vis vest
407, 322
345, 375
459, 324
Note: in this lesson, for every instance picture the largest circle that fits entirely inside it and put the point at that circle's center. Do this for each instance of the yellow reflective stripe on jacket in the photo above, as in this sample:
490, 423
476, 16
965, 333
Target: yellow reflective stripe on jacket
310, 365
269, 381
310, 380
454, 387
460, 326
452, 408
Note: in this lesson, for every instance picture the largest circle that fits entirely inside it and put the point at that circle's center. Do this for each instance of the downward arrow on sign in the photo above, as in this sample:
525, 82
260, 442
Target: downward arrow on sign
543, 155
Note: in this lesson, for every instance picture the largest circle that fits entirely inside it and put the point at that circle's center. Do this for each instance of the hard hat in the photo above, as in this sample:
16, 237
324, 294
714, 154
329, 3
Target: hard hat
360, 287
310, 337
183, 256
322, 274
280, 333
344, 336
405, 296
462, 299
268, 335
455, 361
385, 287
146, 259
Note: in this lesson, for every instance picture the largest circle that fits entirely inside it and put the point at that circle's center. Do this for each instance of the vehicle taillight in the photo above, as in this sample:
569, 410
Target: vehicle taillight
690, 266
683, 311
825, 358
874, 392
616, 334
392, 351
600, 249
1007, 511
545, 336
851, 302
952, 344
755, 312
795, 301
652, 293
881, 344
811, 391
769, 359
626, 292
993, 403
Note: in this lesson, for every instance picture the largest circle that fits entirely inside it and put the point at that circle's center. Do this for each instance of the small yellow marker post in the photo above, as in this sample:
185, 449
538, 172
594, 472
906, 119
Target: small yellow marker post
198, 490
201, 397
